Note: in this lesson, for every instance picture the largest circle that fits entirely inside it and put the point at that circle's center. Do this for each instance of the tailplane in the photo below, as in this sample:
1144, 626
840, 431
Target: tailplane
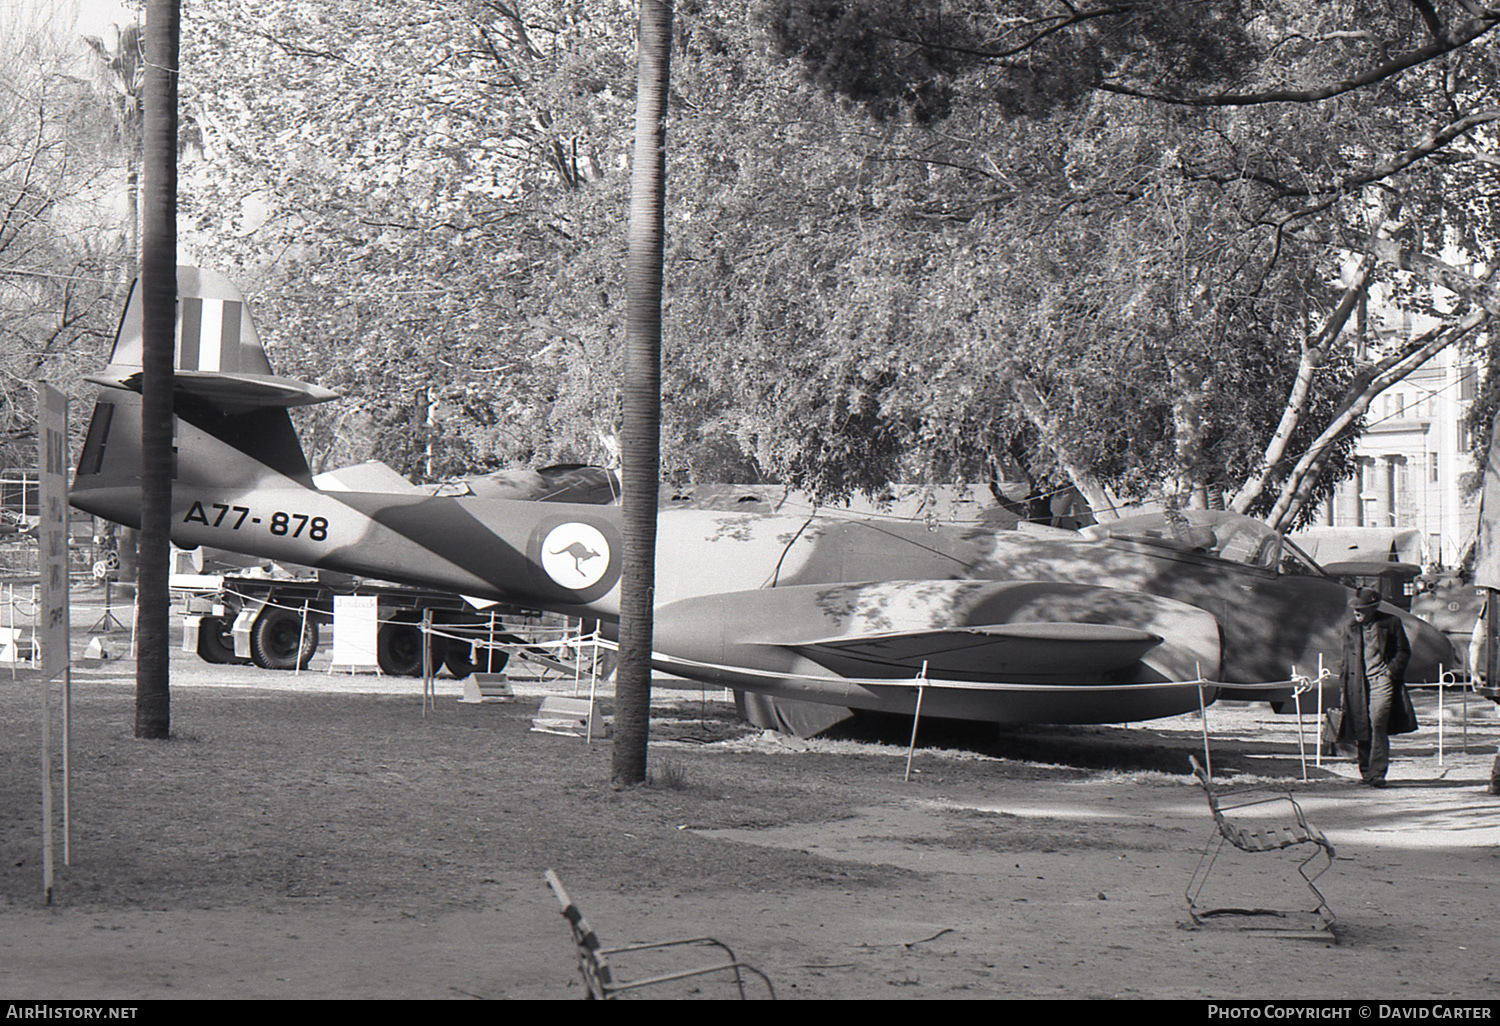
231, 428
218, 356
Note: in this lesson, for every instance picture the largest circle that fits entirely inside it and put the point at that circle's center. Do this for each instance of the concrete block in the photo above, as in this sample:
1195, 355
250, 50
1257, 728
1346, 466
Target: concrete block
570, 716
486, 687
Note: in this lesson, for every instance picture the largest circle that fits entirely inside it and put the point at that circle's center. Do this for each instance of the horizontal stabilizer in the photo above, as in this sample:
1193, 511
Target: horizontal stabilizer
217, 355
233, 393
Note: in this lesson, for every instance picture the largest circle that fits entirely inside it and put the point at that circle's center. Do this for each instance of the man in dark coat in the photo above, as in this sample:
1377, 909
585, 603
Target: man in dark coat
1373, 681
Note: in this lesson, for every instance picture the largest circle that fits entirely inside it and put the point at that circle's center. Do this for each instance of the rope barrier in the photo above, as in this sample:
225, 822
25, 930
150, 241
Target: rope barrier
267, 603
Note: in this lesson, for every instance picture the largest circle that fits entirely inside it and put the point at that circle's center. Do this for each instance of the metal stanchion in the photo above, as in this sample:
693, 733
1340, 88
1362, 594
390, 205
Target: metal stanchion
429, 695
1297, 700
301, 640
593, 689
1318, 758
1441, 680
1208, 760
915, 719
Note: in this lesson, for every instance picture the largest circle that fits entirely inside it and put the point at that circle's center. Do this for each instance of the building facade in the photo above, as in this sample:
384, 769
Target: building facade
1413, 461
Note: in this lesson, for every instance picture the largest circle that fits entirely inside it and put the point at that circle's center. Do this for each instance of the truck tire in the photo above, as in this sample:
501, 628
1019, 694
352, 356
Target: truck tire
398, 649
274, 640
460, 658
216, 640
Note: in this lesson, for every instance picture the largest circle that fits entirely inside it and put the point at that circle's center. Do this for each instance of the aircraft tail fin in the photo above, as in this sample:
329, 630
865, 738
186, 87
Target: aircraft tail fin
231, 427
218, 356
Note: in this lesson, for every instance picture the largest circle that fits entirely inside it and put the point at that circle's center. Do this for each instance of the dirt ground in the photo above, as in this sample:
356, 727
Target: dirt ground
325, 836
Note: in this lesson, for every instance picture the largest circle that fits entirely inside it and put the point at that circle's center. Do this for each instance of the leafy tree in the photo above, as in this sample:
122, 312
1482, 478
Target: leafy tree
401, 194
1275, 142
1052, 255
57, 248
120, 75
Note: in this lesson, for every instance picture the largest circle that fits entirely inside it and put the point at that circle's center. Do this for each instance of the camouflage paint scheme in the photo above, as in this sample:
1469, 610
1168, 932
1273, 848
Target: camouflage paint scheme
999, 625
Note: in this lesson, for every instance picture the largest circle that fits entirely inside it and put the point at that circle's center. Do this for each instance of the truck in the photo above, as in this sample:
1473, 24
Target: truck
277, 622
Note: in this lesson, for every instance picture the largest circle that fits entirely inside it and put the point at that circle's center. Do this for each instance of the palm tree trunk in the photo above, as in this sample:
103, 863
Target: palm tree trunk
159, 309
640, 433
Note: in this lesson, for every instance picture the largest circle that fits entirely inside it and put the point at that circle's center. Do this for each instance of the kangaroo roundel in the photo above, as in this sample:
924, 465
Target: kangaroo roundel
575, 555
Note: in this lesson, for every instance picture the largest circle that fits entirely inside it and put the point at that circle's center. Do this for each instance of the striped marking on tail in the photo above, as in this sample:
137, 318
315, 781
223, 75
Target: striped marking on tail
209, 335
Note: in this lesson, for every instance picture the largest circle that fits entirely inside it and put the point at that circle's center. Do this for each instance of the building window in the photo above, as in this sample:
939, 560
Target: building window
1432, 467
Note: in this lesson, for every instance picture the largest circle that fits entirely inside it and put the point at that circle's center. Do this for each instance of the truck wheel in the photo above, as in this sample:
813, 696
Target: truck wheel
461, 662
398, 649
216, 640
277, 641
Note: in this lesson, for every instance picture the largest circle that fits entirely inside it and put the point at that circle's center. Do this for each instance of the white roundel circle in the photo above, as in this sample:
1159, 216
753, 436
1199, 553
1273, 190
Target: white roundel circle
576, 556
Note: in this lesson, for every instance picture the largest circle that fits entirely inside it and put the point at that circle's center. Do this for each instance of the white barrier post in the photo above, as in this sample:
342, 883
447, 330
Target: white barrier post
428, 691
1318, 758
1440, 714
916, 717
489, 653
1208, 760
301, 637
577, 656
593, 689
1301, 745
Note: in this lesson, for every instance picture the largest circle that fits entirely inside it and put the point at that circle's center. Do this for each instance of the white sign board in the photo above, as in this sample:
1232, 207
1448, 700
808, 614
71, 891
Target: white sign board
52, 533
356, 622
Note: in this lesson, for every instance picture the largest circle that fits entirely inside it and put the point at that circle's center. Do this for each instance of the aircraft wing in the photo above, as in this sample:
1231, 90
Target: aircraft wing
1044, 632
1013, 651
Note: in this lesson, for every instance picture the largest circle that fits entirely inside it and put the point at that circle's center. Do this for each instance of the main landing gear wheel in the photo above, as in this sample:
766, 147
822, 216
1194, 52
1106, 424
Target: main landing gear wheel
463, 659
398, 649
216, 640
274, 640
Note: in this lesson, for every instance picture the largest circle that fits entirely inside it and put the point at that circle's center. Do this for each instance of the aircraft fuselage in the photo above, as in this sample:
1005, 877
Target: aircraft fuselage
1147, 619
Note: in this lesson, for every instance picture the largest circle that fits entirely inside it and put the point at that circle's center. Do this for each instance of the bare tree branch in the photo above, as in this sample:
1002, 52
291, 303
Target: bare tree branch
1449, 42
1299, 484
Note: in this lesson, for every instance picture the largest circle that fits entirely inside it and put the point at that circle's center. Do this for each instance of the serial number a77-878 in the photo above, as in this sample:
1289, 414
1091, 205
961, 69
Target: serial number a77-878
290, 525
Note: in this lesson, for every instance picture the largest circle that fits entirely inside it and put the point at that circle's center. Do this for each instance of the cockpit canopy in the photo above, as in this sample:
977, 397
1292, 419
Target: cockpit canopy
1216, 533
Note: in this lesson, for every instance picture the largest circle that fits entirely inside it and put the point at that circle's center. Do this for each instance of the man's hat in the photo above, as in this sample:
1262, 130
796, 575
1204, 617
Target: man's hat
1365, 598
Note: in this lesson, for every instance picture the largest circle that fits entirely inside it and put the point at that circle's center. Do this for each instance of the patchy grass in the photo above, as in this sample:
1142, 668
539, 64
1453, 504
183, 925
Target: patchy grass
668, 774
263, 796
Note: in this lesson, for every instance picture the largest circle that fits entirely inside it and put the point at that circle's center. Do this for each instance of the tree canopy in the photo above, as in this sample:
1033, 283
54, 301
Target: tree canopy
1213, 171
1113, 246
59, 243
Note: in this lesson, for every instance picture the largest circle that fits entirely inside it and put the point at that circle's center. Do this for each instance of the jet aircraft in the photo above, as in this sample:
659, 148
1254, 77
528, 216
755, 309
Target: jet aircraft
1132, 620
